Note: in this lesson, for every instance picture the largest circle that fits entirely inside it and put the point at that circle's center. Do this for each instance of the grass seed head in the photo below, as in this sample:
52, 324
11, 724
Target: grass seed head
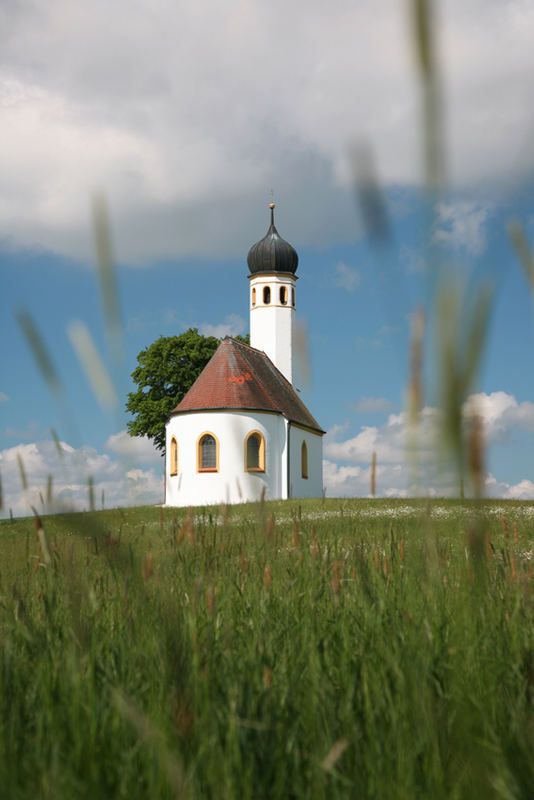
267, 578
210, 599
336, 582
415, 402
148, 567
513, 567
270, 526
41, 536
475, 453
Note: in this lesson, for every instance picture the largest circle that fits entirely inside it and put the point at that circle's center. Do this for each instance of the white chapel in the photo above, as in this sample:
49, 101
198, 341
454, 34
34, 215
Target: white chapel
242, 431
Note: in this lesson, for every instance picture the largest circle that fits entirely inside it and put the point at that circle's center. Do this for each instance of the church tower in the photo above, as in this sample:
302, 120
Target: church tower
272, 263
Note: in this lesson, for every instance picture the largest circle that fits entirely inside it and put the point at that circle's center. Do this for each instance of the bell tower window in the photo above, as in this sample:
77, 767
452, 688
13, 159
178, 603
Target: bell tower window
293, 298
283, 295
253, 295
266, 295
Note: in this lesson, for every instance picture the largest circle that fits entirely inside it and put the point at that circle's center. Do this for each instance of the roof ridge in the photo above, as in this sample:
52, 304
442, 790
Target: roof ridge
241, 344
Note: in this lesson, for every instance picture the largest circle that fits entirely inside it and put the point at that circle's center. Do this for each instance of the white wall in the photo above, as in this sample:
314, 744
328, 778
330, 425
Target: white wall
312, 486
272, 326
231, 484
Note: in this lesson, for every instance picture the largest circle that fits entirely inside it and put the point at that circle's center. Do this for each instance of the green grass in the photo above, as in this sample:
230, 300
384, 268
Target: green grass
297, 649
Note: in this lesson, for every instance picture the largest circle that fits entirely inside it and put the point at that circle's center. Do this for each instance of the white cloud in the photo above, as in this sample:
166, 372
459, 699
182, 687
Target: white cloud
500, 413
354, 481
138, 448
3, 397
378, 405
388, 441
461, 225
524, 490
70, 473
346, 277
398, 470
233, 325
187, 140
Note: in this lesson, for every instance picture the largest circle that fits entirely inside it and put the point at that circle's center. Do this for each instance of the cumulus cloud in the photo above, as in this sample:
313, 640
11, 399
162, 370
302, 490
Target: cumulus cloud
355, 481
70, 470
188, 138
412, 460
523, 490
500, 414
233, 325
389, 441
138, 448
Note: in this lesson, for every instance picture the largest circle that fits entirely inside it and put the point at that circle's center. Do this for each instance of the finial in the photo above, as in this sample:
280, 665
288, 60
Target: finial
272, 207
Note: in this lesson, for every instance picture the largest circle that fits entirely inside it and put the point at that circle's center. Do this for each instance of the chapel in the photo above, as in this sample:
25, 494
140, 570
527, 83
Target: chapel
242, 431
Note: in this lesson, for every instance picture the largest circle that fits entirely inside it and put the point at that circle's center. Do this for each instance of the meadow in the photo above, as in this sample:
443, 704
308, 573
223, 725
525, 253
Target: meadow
297, 649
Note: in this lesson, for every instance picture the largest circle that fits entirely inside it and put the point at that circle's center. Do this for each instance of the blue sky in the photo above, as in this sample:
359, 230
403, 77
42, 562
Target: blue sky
186, 143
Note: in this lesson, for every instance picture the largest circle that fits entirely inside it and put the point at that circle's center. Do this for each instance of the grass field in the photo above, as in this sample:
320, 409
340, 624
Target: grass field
355, 648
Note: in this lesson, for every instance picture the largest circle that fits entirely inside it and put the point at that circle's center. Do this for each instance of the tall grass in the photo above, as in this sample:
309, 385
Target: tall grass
317, 649
305, 649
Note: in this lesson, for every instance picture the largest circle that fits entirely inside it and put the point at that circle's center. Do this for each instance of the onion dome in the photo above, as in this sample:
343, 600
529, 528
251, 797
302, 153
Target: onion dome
272, 253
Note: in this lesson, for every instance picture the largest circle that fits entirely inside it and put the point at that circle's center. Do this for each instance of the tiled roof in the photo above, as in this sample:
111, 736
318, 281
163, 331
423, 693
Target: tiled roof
241, 377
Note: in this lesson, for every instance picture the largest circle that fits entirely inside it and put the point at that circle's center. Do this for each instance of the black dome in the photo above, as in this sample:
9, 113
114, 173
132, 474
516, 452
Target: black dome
272, 253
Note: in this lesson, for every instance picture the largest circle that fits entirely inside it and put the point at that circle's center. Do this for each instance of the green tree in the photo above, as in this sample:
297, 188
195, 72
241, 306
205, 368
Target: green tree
167, 369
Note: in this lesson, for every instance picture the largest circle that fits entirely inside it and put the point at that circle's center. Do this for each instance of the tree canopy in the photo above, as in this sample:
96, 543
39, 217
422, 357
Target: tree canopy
166, 370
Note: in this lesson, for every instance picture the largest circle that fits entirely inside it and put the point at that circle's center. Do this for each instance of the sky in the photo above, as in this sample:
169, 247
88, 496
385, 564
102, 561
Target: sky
185, 117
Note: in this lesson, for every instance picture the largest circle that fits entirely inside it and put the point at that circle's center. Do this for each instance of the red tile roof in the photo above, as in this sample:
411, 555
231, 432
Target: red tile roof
241, 377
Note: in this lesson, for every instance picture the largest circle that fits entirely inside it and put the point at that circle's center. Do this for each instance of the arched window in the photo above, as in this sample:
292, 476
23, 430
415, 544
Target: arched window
283, 295
255, 452
266, 295
174, 456
304, 460
293, 298
253, 295
207, 453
